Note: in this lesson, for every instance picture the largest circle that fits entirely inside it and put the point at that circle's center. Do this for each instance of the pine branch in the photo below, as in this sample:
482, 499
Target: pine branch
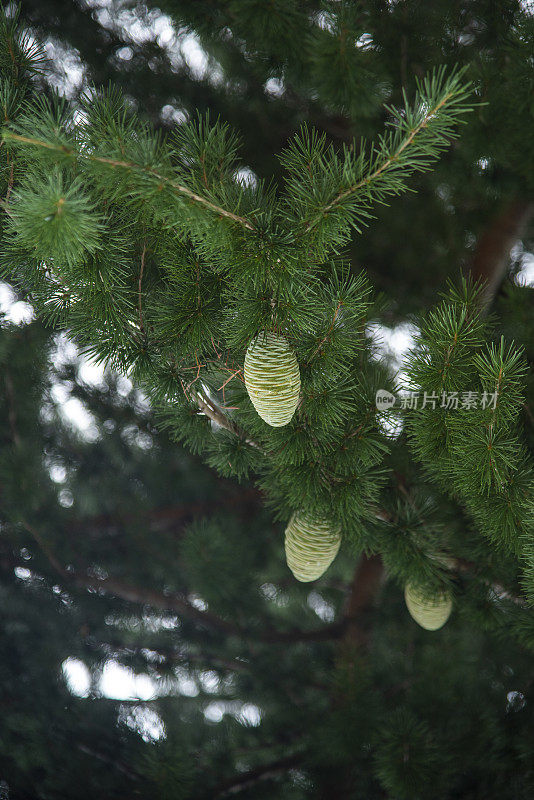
476, 455
384, 164
449, 562
176, 186
328, 332
328, 194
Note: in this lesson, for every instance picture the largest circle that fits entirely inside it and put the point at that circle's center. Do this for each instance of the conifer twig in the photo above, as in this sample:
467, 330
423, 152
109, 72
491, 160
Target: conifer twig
329, 331
130, 165
210, 408
461, 565
453, 563
387, 162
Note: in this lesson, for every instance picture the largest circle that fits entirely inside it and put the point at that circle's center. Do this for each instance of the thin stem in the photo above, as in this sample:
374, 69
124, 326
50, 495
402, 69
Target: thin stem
140, 304
329, 331
210, 408
10, 184
130, 165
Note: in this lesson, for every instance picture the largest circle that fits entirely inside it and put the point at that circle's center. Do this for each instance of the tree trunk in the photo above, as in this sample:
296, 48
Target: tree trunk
492, 254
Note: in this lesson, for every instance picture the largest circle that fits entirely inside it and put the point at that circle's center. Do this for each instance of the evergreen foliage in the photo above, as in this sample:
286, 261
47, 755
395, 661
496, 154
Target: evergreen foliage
174, 213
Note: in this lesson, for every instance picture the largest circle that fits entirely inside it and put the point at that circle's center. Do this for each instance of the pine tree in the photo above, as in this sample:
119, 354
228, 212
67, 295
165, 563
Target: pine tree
161, 262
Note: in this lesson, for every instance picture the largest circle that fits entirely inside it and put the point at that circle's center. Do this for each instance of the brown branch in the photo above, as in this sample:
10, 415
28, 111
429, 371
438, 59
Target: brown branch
214, 412
172, 601
492, 253
206, 660
175, 602
461, 565
528, 412
134, 594
210, 408
169, 515
142, 596
46, 550
263, 772
130, 165
326, 633
362, 595
107, 760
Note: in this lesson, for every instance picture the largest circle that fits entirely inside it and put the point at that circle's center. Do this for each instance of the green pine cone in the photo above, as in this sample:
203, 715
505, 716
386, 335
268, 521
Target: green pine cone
272, 378
311, 546
431, 613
